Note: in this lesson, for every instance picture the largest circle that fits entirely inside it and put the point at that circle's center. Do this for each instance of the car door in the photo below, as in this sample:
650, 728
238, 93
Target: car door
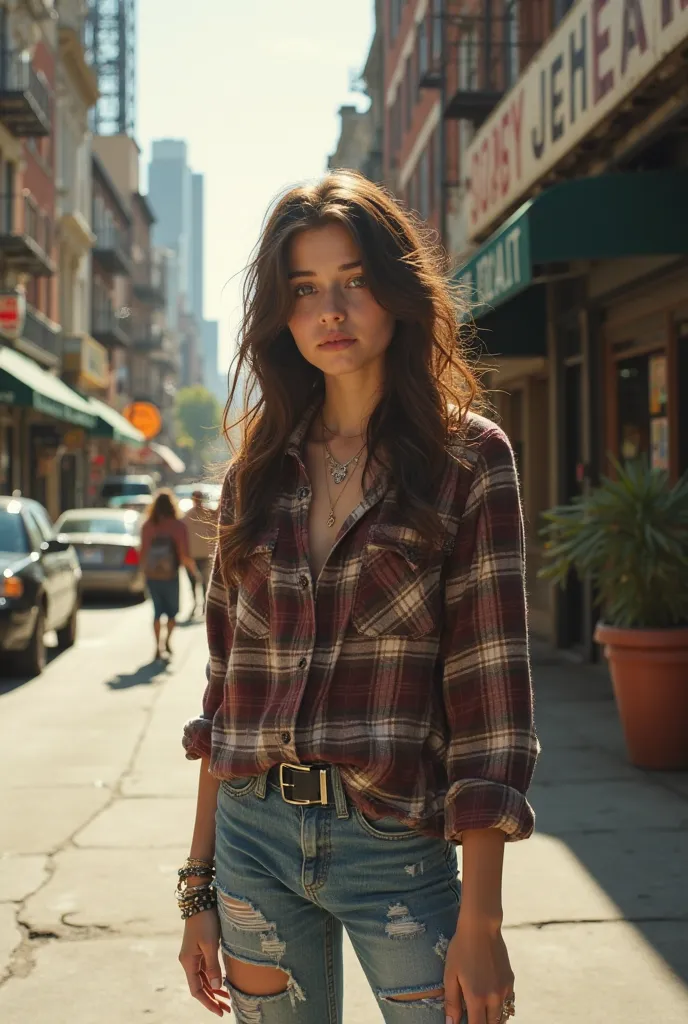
54, 569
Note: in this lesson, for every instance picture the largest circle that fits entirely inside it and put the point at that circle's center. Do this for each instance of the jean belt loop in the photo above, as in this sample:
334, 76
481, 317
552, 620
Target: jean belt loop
261, 786
340, 802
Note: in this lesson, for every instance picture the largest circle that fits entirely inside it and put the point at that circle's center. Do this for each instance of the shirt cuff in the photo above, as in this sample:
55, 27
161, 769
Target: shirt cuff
480, 803
196, 739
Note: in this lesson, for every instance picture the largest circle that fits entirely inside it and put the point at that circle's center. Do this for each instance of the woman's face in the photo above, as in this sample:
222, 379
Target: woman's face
336, 323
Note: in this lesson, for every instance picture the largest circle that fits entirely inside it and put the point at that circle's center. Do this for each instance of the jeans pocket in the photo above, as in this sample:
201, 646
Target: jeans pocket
387, 827
238, 788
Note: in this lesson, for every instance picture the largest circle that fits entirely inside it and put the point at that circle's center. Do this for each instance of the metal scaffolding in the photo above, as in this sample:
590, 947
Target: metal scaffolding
111, 51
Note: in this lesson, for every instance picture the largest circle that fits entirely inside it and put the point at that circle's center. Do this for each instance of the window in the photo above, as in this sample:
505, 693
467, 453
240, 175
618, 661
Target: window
424, 184
394, 17
511, 63
422, 57
408, 93
561, 7
436, 44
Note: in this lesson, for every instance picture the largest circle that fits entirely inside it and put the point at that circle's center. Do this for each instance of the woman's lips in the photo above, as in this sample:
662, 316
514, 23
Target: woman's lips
337, 344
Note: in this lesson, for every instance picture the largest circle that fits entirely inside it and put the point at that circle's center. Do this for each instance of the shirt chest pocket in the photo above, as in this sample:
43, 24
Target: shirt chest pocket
253, 594
399, 591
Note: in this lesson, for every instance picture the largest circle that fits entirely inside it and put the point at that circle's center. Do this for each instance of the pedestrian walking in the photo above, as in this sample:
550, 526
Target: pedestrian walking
368, 702
164, 547
202, 529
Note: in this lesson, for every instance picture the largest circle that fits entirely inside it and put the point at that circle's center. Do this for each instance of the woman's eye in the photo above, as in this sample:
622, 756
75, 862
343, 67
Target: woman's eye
357, 282
302, 289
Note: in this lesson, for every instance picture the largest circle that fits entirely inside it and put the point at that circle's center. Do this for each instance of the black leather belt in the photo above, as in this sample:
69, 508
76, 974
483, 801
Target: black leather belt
303, 784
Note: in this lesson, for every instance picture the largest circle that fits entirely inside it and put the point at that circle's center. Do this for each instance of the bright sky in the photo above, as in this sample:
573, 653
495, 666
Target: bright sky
254, 87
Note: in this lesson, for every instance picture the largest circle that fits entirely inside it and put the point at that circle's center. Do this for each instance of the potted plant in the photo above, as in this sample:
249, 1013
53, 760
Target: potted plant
629, 535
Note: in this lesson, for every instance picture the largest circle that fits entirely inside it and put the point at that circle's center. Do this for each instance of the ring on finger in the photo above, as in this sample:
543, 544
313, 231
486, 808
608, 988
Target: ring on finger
508, 1010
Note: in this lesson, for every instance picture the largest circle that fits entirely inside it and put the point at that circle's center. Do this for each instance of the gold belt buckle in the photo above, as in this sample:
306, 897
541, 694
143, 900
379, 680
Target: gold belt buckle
290, 785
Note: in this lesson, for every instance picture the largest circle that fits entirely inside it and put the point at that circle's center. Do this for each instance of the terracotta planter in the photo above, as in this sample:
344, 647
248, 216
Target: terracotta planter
649, 670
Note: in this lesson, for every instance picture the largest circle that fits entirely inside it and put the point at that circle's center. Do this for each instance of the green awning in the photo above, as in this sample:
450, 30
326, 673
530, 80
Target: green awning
113, 425
610, 216
24, 383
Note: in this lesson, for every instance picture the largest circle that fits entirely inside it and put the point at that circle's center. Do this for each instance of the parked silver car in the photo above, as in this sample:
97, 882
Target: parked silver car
108, 544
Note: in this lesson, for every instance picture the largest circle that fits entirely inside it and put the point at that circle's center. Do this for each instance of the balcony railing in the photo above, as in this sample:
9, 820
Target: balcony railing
25, 100
146, 336
483, 56
149, 282
26, 235
109, 328
111, 249
41, 331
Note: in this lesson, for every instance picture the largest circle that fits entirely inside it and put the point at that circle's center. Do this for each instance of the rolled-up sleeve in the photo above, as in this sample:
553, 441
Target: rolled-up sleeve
220, 622
492, 745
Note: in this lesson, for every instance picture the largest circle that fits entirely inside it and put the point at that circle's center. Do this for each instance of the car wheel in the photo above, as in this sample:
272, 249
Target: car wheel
66, 637
31, 661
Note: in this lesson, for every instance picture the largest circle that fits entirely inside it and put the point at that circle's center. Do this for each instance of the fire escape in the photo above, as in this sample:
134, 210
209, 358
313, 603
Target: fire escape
111, 52
483, 54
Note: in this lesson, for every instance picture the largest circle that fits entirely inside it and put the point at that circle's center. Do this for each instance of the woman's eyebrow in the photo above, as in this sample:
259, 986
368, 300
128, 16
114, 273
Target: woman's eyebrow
311, 273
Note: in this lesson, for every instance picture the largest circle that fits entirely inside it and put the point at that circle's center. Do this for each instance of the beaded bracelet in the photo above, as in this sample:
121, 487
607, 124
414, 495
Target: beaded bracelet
201, 897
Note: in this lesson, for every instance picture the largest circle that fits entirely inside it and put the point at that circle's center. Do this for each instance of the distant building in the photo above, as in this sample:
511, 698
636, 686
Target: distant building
196, 247
354, 142
170, 192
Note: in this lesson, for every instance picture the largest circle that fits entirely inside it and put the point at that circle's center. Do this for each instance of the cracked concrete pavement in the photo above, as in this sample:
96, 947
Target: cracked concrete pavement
96, 805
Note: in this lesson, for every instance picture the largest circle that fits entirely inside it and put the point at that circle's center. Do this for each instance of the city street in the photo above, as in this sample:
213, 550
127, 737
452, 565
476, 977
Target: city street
96, 804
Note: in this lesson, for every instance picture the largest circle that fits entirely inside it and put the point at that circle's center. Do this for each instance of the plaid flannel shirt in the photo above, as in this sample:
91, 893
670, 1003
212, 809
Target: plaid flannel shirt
406, 665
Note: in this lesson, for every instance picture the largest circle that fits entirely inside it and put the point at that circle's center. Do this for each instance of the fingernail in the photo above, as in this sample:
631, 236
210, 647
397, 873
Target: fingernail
449, 1020
216, 983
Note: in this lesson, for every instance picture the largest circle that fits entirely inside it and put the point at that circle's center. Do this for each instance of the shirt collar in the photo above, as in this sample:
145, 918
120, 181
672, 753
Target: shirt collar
298, 434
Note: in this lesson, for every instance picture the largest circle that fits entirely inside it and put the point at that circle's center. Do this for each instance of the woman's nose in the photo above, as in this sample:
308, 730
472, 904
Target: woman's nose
332, 310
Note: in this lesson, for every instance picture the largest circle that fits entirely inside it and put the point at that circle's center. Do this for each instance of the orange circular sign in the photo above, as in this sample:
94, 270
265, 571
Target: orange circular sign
145, 417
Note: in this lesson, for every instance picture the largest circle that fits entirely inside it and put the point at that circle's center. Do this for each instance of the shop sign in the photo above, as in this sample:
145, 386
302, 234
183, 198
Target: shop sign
94, 362
601, 51
500, 269
145, 417
12, 314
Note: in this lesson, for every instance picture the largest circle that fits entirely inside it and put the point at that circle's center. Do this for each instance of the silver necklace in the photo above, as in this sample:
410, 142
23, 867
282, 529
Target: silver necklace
339, 470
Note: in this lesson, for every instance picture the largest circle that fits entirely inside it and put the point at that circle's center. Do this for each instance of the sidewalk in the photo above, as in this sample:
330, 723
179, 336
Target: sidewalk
596, 903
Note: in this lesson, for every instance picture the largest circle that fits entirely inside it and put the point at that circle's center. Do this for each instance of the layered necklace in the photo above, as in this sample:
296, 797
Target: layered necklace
339, 473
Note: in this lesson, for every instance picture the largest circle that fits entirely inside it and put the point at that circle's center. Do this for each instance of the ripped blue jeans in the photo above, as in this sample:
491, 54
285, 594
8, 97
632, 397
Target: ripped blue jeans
290, 879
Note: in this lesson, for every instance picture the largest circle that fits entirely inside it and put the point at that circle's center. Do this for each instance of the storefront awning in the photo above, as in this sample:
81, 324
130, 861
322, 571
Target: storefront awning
610, 216
112, 424
24, 383
170, 458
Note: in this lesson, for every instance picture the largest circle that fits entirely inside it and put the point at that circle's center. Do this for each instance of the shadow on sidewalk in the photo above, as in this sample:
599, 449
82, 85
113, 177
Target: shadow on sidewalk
143, 676
628, 828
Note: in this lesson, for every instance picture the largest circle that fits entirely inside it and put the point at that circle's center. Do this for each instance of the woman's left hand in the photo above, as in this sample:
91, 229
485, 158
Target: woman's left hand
477, 975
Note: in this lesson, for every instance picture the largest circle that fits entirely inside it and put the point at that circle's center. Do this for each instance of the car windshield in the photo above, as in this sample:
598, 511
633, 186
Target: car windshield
13, 538
128, 487
119, 525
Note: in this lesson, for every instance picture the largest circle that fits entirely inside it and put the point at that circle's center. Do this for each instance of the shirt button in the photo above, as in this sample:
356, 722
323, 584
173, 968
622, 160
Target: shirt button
286, 737
303, 581
303, 662
302, 493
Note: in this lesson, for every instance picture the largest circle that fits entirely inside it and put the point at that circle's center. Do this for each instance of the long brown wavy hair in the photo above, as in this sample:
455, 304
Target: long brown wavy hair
429, 385
162, 507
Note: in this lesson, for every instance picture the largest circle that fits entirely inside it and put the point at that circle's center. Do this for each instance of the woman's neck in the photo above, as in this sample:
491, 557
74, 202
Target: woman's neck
349, 403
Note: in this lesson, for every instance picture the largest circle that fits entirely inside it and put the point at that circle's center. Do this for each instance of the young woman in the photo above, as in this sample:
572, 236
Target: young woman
164, 547
368, 704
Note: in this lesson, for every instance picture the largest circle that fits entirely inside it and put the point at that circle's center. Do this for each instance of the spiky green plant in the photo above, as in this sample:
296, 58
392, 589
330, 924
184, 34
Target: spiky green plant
630, 536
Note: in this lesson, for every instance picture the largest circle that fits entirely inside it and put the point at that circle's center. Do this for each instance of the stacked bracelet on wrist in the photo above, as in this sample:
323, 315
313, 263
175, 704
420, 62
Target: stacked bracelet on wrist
192, 899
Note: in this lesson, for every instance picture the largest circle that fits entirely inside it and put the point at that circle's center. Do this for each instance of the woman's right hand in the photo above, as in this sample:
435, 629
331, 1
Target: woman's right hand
199, 956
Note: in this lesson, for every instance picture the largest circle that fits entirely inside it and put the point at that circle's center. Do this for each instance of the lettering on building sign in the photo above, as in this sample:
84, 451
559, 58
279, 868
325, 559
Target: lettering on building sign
600, 53
498, 271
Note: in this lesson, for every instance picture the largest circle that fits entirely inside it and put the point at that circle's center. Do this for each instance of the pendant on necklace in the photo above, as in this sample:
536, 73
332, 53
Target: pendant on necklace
331, 519
339, 470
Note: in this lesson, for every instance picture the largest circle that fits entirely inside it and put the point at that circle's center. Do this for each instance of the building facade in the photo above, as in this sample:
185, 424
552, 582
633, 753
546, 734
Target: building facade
576, 193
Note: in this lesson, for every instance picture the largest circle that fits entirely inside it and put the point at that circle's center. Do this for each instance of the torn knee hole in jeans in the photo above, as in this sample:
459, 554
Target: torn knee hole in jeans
430, 996
244, 917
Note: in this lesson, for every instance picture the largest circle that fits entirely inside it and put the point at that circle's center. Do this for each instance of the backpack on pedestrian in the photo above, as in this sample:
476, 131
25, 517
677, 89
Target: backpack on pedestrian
162, 560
